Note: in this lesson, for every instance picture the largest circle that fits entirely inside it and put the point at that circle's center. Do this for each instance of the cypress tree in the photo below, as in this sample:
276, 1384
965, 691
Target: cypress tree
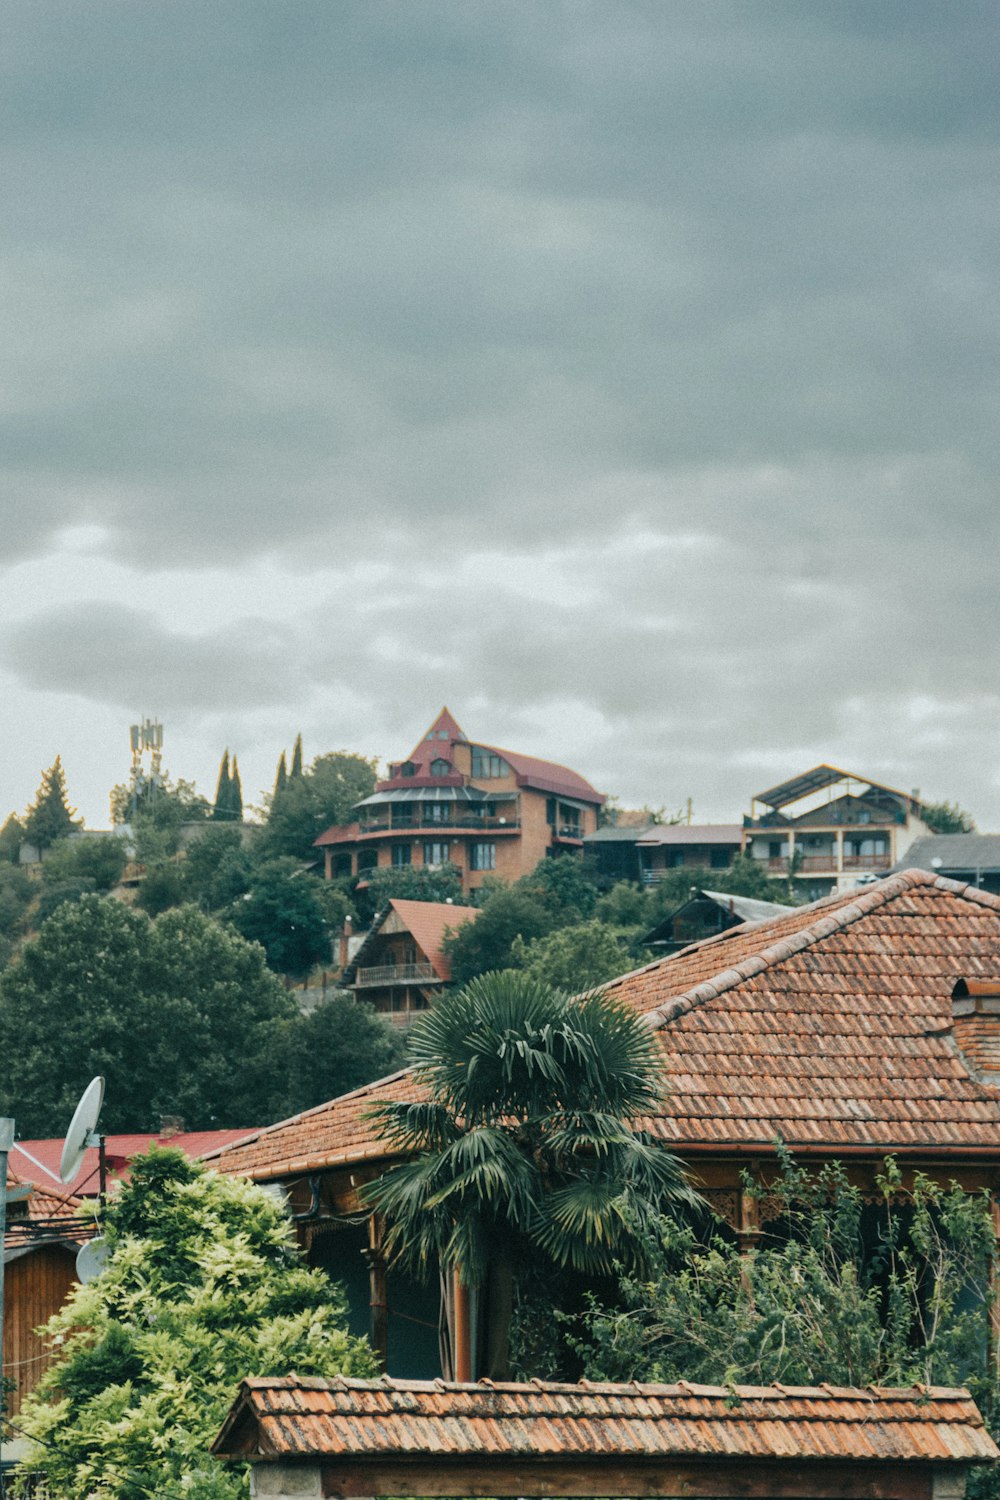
296, 759
49, 817
281, 779
235, 794
220, 811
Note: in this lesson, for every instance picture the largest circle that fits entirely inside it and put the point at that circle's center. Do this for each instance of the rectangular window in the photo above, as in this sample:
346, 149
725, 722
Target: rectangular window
400, 854
483, 857
437, 812
488, 764
435, 854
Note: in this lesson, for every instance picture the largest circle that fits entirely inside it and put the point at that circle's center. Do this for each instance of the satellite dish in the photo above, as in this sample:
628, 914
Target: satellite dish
91, 1260
81, 1129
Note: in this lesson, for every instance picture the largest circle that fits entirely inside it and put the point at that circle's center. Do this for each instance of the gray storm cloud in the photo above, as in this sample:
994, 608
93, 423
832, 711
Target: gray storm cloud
469, 295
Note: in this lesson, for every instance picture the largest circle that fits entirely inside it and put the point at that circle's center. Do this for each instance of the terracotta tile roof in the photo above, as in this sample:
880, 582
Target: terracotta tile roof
341, 833
829, 1027
409, 1419
330, 1135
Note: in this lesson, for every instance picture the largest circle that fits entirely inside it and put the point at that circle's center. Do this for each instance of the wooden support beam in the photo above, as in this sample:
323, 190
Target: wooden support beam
711, 1479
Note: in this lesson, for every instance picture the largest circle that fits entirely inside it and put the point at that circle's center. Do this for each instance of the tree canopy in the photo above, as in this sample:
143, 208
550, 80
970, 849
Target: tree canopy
313, 800
161, 1007
203, 1286
947, 817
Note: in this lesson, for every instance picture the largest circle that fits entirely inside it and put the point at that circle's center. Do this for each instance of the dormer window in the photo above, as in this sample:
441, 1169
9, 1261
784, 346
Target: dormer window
407, 768
440, 767
488, 764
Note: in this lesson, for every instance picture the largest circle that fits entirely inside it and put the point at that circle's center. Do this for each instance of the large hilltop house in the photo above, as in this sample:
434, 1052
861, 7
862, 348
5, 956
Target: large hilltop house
452, 800
829, 828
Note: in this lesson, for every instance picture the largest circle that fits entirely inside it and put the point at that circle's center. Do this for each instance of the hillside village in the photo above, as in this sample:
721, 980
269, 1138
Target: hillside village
818, 980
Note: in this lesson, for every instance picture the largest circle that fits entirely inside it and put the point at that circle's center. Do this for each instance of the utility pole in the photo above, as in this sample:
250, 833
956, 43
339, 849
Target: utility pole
6, 1143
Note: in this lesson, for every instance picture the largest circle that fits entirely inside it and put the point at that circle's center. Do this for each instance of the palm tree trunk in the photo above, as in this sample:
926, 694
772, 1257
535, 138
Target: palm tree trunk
499, 1316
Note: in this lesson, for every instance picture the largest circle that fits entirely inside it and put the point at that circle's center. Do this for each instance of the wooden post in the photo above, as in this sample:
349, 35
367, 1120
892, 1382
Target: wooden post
378, 1291
463, 1332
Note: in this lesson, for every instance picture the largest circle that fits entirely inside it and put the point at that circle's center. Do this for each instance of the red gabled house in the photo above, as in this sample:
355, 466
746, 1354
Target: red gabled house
455, 801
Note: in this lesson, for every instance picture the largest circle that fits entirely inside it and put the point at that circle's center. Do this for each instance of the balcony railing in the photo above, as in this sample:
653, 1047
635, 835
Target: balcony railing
441, 827
396, 974
867, 861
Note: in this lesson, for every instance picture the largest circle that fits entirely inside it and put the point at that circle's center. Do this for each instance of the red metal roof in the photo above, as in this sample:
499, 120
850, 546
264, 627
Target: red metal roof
408, 1419
38, 1161
829, 1027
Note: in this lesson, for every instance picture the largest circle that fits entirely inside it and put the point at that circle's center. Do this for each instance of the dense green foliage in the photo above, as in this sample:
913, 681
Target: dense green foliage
313, 800
947, 817
203, 1287
283, 910
479, 947
159, 1007
164, 804
101, 859
894, 1294
411, 883
12, 836
49, 817
179, 1013
523, 1147
337, 1047
578, 957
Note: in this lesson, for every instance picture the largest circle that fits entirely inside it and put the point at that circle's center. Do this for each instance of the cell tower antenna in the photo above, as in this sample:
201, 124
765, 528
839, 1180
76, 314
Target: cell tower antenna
146, 741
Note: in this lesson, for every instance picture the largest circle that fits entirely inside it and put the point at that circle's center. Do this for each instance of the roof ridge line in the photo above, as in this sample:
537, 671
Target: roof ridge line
825, 925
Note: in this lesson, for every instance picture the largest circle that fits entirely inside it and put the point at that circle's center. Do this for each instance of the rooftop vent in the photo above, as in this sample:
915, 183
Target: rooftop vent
975, 1022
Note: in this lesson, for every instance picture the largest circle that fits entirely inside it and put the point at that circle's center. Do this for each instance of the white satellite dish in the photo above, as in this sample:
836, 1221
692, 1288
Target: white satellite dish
91, 1260
80, 1134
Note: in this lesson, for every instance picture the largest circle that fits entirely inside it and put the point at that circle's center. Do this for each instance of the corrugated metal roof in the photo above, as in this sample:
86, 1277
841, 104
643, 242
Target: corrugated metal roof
359, 1420
692, 833
955, 851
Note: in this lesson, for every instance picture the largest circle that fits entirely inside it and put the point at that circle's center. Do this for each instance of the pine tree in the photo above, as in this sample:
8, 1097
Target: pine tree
296, 759
235, 794
281, 779
220, 811
50, 817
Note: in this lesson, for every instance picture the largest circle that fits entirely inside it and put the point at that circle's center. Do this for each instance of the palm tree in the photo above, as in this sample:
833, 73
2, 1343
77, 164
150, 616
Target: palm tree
523, 1141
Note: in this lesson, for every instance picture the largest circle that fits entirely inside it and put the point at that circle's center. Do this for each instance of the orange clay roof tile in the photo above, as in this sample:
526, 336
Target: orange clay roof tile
829, 1027
413, 1420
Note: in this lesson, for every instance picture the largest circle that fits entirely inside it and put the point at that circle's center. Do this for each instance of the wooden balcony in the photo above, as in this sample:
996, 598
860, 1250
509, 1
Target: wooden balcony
867, 861
387, 974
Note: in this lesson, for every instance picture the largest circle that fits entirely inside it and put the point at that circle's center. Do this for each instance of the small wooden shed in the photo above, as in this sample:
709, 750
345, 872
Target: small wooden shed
352, 1438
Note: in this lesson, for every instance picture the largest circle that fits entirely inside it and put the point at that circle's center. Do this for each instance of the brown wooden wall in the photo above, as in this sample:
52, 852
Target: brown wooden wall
35, 1286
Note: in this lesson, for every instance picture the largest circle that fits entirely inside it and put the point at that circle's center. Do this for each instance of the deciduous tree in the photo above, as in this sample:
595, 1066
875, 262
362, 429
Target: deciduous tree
203, 1286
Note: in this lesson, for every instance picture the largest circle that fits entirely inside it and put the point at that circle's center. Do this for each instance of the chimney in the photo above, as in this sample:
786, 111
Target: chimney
975, 1026
171, 1125
345, 938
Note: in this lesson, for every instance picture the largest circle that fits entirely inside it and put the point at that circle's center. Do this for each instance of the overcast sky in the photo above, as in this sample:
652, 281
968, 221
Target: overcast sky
621, 373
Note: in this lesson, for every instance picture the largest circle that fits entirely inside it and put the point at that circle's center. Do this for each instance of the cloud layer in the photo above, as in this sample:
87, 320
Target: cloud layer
623, 375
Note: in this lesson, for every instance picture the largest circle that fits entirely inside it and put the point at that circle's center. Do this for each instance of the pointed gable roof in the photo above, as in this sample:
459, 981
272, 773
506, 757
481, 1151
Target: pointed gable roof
427, 922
